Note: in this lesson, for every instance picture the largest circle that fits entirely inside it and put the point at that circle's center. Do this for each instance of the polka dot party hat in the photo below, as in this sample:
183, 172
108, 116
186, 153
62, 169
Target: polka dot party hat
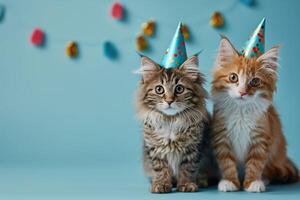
255, 46
175, 55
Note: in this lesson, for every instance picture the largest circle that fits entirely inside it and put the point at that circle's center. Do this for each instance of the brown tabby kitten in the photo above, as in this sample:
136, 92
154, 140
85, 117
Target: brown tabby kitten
171, 105
247, 135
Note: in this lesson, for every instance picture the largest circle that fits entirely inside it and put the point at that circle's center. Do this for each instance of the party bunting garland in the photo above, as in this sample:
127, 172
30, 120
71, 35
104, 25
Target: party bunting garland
37, 37
2, 12
141, 43
110, 50
217, 20
117, 12
72, 49
185, 32
149, 27
248, 2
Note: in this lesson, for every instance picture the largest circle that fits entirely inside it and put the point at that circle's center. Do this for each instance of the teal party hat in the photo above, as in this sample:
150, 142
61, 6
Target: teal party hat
175, 55
255, 46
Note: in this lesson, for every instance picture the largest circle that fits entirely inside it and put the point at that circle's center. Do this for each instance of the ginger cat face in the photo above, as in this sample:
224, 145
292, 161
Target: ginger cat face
242, 80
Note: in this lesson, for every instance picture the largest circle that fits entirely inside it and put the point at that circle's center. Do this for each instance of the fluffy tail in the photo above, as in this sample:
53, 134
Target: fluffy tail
288, 173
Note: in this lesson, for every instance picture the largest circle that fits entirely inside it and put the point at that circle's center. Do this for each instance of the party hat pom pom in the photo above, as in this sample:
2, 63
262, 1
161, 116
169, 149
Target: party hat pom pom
141, 43
110, 50
2, 12
37, 37
185, 32
72, 49
148, 27
217, 19
117, 11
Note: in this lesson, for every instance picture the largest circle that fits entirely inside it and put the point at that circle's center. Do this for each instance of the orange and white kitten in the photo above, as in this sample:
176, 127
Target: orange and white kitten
247, 136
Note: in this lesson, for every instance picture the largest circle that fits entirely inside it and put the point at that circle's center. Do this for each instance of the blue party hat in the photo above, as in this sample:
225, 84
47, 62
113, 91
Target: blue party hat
175, 55
255, 46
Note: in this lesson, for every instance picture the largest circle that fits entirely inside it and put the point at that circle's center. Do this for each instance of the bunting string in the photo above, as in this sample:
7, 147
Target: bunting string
40, 36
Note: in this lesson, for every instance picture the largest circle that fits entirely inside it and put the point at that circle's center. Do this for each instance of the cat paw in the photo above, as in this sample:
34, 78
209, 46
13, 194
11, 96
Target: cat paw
256, 186
161, 188
227, 186
187, 187
203, 183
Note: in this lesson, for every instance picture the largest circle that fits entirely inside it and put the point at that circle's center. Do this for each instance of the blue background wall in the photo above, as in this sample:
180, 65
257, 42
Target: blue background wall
57, 111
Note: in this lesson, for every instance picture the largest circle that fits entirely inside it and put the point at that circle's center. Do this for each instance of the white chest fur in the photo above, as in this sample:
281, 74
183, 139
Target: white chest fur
168, 132
240, 120
174, 160
239, 126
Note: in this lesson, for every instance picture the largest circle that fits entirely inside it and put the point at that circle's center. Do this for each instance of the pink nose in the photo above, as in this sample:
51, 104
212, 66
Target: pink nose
243, 93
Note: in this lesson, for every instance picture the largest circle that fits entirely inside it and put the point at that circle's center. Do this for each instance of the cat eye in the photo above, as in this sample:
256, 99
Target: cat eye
233, 77
179, 89
255, 82
159, 89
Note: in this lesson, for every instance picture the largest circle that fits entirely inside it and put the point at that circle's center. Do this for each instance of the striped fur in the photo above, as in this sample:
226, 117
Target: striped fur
247, 136
176, 145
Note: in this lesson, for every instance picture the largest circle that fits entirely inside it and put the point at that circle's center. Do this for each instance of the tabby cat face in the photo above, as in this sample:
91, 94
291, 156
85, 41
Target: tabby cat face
244, 80
170, 91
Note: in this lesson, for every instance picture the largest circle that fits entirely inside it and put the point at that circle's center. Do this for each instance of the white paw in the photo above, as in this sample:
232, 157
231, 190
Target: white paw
226, 186
256, 186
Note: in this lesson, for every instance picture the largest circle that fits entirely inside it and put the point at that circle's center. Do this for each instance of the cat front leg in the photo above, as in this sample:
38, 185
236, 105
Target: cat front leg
228, 168
202, 180
162, 176
187, 175
255, 163
225, 159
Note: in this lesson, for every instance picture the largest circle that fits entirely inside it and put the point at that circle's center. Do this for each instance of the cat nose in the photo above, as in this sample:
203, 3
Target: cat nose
243, 93
169, 101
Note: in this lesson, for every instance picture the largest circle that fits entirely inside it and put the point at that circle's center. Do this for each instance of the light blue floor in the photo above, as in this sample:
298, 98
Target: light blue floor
109, 182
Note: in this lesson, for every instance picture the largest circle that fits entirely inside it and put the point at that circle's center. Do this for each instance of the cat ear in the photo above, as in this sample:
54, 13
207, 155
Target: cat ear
226, 52
269, 60
148, 68
190, 67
